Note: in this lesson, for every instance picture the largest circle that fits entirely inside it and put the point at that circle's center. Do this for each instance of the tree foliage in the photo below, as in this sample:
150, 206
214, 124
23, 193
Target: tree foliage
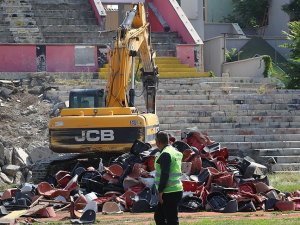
232, 55
293, 9
248, 13
294, 37
294, 67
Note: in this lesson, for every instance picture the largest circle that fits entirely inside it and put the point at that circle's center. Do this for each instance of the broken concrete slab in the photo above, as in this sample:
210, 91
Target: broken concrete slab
20, 157
5, 92
5, 178
11, 170
19, 178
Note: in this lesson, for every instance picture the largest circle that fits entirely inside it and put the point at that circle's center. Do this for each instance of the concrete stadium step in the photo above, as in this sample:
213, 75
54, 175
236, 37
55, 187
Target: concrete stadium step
287, 167
67, 21
78, 13
206, 126
64, 6
16, 8
169, 75
176, 63
6, 39
238, 98
215, 133
230, 108
164, 35
213, 85
276, 152
164, 45
179, 68
69, 28
71, 40
283, 159
219, 91
218, 79
58, 1
238, 120
206, 100
77, 34
4, 28
254, 138
6, 33
250, 131
261, 145
196, 113
163, 39
19, 14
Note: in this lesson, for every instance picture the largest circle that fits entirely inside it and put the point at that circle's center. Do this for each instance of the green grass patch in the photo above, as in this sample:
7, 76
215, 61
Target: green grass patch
286, 181
279, 221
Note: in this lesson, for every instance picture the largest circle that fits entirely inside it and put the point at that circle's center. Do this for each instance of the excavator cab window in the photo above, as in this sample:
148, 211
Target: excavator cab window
86, 98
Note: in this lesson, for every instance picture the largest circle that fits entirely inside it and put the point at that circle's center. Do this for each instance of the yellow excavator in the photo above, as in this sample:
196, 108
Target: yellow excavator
100, 120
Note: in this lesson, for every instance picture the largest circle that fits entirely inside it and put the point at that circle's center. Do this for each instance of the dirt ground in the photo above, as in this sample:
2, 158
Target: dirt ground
147, 218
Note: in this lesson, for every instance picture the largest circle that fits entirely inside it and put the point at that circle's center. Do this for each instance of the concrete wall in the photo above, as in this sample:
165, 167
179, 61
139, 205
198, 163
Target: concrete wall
191, 55
216, 10
59, 58
278, 19
216, 29
253, 67
62, 59
214, 55
18, 58
194, 12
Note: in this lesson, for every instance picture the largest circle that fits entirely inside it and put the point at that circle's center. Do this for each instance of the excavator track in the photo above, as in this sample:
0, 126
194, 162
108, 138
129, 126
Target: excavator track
43, 169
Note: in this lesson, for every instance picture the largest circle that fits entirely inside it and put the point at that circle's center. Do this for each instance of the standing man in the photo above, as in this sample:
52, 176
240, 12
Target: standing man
167, 181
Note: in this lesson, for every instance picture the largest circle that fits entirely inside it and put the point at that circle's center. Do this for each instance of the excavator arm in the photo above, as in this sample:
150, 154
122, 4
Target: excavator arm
132, 38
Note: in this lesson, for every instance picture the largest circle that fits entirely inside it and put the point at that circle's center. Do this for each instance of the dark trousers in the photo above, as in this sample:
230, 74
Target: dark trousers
167, 213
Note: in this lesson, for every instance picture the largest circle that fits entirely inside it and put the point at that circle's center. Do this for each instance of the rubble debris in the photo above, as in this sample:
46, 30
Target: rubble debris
24, 127
10, 170
20, 157
212, 181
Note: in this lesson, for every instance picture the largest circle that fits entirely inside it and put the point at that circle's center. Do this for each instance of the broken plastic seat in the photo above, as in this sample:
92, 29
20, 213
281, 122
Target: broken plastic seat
88, 217
285, 205
9, 193
189, 185
111, 208
181, 146
115, 170
129, 182
47, 212
3, 211
219, 203
63, 178
128, 197
45, 189
80, 202
138, 170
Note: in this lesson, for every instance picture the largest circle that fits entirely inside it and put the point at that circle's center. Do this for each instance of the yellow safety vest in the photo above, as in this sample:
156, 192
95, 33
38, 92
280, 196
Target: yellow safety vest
174, 183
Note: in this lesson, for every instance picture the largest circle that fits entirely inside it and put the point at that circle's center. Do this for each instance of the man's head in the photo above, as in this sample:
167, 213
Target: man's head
162, 139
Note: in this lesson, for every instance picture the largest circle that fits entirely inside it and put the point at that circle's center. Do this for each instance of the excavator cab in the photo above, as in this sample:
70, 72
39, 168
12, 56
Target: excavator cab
86, 98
